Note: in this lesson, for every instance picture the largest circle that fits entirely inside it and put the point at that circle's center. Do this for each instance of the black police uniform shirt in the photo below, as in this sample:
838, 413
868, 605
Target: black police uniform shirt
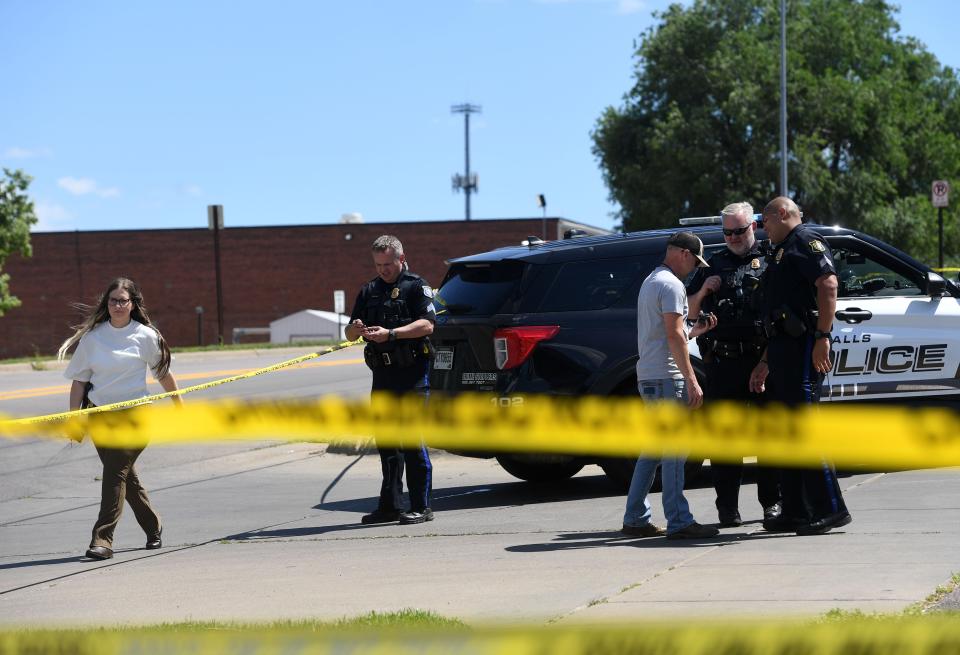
734, 304
404, 301
794, 266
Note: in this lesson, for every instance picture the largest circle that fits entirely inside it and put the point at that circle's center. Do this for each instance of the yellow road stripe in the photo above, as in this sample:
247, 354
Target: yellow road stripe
38, 392
136, 402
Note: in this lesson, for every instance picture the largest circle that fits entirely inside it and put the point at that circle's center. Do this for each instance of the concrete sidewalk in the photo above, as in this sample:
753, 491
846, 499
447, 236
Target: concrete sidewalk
247, 538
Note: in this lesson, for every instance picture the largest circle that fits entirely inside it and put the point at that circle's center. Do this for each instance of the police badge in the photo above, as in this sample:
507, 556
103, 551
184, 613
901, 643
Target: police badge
755, 264
395, 293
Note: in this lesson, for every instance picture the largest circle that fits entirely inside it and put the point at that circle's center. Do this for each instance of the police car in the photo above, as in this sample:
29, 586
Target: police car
559, 318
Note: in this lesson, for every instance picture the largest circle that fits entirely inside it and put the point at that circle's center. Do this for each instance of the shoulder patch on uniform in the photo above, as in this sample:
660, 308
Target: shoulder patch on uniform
427, 291
817, 246
779, 256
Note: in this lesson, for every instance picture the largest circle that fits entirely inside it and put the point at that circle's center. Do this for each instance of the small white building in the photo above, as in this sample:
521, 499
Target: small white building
309, 325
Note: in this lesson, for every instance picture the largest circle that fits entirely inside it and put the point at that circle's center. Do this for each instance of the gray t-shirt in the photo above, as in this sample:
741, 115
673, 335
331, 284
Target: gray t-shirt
661, 293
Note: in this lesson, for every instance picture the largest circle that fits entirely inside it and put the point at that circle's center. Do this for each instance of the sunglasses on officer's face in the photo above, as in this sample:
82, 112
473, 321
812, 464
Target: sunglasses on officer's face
738, 231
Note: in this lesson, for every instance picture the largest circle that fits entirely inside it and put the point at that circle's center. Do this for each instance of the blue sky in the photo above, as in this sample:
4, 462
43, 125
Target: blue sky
137, 115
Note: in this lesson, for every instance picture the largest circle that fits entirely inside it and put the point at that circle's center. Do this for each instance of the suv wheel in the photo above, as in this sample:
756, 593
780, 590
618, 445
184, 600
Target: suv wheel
540, 468
619, 470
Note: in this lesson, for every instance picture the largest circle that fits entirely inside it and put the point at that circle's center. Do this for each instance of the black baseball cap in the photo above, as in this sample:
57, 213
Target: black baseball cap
690, 242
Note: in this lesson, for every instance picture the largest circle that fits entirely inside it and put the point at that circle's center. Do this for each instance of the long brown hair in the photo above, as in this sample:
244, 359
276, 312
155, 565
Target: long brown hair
97, 314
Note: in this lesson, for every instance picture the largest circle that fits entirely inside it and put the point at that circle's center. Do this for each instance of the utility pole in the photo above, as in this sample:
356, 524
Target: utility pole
783, 97
215, 222
468, 182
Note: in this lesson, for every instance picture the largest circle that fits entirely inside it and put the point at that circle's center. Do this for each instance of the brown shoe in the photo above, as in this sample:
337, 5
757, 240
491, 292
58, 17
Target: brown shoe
99, 552
694, 531
645, 530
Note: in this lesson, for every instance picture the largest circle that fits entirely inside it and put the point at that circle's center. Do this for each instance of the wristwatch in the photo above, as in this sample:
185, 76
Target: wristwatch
392, 335
820, 334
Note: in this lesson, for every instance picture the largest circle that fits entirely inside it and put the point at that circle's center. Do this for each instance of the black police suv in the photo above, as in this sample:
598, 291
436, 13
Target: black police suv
559, 317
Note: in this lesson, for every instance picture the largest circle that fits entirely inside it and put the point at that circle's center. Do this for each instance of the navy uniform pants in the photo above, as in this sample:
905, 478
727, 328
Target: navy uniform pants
729, 379
808, 493
413, 456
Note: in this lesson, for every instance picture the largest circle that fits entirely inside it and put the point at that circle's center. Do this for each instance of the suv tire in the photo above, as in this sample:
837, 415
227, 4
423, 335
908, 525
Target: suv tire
540, 468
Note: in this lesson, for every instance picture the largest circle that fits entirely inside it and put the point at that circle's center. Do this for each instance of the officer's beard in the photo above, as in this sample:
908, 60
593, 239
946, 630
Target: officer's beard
743, 248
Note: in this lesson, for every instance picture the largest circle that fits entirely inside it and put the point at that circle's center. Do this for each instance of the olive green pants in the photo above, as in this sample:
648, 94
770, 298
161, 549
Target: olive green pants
120, 482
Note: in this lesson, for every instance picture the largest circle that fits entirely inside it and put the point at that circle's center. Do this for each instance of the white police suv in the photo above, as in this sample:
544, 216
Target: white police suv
896, 329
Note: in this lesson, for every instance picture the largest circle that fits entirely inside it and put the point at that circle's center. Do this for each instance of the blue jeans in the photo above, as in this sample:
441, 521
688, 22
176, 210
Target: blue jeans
675, 506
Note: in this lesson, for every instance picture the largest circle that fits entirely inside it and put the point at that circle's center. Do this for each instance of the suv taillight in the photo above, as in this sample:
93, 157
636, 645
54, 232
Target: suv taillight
512, 346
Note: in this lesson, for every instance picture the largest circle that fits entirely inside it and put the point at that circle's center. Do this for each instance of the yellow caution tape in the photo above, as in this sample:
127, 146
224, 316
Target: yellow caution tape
903, 636
850, 436
127, 404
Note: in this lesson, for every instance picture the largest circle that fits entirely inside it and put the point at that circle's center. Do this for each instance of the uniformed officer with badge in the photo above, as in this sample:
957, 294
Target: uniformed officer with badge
394, 314
799, 302
728, 289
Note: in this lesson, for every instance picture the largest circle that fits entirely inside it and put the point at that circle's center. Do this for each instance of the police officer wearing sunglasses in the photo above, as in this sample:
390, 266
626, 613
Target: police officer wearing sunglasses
729, 290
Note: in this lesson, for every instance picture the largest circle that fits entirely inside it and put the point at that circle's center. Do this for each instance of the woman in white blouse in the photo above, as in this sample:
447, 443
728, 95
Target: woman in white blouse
117, 343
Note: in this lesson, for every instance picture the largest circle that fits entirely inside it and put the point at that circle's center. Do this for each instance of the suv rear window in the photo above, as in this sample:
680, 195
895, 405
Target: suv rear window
480, 288
595, 284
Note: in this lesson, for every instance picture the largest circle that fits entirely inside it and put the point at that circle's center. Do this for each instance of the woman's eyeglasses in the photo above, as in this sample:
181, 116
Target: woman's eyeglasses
738, 231
119, 302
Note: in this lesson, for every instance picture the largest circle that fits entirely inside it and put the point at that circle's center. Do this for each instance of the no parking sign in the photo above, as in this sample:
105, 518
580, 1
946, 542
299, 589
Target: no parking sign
940, 193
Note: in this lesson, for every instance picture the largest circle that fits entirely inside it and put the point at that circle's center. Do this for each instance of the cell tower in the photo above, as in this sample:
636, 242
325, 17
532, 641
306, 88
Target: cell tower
469, 182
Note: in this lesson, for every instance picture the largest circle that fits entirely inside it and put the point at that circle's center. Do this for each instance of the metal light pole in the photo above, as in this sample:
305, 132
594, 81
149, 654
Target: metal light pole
467, 182
215, 222
783, 97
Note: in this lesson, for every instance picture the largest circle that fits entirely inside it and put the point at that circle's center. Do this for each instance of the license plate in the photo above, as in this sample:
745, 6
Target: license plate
443, 359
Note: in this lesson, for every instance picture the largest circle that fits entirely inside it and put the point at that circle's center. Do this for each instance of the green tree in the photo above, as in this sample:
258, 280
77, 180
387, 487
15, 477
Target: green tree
872, 116
16, 217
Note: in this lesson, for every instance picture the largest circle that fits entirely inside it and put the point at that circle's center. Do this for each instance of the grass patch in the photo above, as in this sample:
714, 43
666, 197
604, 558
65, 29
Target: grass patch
920, 608
402, 619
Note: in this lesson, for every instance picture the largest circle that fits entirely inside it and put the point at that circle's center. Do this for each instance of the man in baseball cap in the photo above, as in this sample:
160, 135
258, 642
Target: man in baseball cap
690, 242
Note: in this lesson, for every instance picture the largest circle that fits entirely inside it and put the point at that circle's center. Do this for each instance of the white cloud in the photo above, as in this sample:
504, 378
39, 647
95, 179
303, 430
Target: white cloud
51, 217
631, 6
15, 152
81, 186
192, 190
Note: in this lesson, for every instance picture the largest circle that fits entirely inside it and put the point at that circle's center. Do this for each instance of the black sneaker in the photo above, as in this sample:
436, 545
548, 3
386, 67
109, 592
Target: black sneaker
422, 516
380, 516
694, 531
729, 518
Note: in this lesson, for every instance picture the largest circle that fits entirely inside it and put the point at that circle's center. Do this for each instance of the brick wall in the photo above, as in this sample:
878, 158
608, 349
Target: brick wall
267, 272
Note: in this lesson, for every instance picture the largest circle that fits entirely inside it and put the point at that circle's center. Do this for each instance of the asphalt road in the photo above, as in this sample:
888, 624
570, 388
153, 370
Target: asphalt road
259, 531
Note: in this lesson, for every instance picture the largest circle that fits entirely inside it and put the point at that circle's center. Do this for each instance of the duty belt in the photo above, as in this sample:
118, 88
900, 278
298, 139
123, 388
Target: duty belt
735, 349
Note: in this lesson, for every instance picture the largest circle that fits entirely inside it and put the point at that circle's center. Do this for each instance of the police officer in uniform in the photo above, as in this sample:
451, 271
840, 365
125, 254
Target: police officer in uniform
799, 302
395, 316
728, 289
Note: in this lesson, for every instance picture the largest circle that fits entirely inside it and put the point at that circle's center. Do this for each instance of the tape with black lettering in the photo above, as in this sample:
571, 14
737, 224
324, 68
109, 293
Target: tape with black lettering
851, 436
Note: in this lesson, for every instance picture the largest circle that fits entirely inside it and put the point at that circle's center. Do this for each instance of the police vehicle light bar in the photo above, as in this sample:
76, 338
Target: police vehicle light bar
709, 220
714, 220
